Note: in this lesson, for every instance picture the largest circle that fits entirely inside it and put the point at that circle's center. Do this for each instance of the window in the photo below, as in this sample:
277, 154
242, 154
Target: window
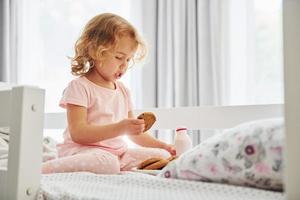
255, 52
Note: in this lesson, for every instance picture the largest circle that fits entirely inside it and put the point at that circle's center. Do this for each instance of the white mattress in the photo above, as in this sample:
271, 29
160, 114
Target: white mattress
136, 186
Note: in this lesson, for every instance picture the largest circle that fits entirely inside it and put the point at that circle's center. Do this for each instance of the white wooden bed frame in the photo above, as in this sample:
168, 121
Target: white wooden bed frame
21, 181
22, 109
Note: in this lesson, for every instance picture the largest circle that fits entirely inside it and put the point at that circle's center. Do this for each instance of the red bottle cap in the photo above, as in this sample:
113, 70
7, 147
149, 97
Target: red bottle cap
181, 129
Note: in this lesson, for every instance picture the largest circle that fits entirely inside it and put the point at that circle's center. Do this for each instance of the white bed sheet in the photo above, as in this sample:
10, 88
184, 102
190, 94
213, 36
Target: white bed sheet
137, 186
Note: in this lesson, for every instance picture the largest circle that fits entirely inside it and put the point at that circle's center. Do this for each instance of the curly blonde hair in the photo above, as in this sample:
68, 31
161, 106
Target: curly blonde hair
99, 36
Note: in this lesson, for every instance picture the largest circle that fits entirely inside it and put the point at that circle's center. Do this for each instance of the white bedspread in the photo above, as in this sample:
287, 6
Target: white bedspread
135, 186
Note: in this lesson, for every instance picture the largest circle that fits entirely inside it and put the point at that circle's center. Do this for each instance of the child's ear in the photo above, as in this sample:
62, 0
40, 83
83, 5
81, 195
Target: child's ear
96, 53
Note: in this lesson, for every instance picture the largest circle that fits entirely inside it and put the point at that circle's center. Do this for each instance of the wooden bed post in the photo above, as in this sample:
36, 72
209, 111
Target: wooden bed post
25, 147
291, 32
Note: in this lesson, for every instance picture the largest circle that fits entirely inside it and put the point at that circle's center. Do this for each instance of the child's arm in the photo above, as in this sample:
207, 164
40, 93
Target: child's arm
147, 140
83, 133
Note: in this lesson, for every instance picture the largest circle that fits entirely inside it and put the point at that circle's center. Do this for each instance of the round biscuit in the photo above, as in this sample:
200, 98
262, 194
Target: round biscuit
149, 119
157, 165
147, 162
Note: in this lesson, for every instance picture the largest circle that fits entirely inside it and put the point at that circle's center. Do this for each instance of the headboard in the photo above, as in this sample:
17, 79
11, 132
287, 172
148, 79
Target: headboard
195, 118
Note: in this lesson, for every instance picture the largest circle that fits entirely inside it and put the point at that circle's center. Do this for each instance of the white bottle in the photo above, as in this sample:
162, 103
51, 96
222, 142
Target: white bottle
182, 141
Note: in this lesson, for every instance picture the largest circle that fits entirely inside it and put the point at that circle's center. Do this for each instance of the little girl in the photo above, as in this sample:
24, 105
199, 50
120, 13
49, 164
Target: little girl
99, 108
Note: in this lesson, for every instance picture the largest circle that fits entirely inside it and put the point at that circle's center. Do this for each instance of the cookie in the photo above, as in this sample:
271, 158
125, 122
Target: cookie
157, 165
149, 119
148, 162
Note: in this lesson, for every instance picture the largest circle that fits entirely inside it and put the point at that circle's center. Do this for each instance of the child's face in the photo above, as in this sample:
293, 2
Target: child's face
116, 61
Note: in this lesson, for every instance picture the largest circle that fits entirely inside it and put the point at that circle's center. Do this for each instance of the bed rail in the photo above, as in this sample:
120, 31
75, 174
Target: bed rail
203, 117
212, 117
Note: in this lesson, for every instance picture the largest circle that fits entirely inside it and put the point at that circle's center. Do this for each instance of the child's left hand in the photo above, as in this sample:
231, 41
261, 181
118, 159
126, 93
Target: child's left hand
170, 148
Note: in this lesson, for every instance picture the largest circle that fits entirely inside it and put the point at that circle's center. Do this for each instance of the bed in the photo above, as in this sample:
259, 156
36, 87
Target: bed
22, 110
23, 180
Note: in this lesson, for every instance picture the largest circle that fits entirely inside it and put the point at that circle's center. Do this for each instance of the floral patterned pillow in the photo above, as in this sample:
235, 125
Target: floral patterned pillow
249, 154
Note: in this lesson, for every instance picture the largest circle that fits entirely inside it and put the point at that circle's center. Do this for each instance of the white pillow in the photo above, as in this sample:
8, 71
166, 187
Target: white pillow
249, 154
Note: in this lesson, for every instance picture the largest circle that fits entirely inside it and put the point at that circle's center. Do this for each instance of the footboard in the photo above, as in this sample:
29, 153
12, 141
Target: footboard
22, 109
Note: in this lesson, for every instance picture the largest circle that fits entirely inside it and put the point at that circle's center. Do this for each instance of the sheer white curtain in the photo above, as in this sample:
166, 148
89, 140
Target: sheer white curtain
187, 67
201, 52
213, 52
188, 53
4, 19
255, 55
47, 33
8, 41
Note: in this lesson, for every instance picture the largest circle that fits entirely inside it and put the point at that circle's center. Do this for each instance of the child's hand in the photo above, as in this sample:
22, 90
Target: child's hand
132, 126
170, 148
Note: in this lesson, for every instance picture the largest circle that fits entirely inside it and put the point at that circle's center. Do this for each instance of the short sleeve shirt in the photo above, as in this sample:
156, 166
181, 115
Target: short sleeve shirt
104, 106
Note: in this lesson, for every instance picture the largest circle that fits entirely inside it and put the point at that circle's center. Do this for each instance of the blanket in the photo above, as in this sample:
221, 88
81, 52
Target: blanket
49, 148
